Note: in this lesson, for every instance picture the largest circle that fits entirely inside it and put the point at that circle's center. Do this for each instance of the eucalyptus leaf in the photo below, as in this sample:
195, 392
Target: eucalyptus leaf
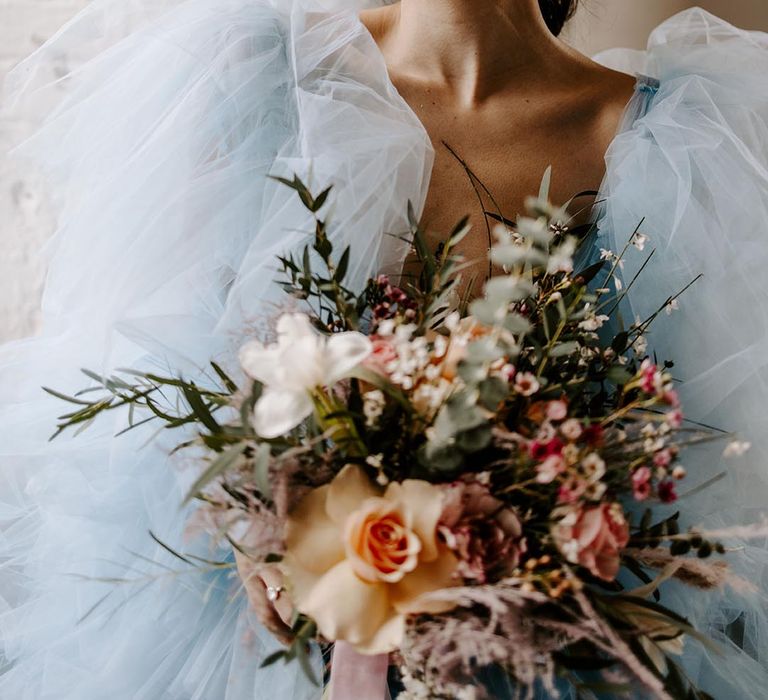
564, 349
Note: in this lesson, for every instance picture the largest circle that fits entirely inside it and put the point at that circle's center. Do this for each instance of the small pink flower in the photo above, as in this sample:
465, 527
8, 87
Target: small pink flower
550, 469
557, 410
541, 450
671, 398
594, 435
526, 384
667, 493
641, 483
674, 418
507, 372
593, 537
663, 458
651, 379
382, 356
571, 490
571, 429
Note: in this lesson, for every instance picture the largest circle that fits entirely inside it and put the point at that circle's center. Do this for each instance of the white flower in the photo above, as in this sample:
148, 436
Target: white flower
594, 467
292, 369
736, 449
561, 259
376, 461
595, 491
671, 306
679, 472
373, 406
571, 429
571, 551
640, 345
639, 240
526, 384
592, 322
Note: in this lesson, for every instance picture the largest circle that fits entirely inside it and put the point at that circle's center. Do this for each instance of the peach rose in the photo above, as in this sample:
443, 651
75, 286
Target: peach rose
593, 537
360, 559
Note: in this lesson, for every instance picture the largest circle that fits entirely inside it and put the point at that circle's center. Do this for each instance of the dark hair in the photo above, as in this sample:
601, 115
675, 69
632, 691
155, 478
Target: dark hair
557, 13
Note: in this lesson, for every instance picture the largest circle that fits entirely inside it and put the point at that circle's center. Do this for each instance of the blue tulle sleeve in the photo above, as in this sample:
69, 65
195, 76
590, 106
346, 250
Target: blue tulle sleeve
693, 172
159, 146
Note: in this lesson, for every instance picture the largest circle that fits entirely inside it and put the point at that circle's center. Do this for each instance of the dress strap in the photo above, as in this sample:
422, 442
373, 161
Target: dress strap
646, 88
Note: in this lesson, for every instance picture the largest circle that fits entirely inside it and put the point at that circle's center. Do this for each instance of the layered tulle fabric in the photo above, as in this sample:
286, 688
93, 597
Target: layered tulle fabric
165, 258
692, 171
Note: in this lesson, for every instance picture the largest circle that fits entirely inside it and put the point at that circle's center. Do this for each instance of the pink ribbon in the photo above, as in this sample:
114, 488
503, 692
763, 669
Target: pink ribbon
357, 676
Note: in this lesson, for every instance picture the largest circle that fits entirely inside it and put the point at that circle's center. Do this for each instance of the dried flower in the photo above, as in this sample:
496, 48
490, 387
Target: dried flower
486, 537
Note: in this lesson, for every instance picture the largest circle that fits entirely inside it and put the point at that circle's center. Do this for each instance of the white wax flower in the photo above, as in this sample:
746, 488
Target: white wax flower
297, 365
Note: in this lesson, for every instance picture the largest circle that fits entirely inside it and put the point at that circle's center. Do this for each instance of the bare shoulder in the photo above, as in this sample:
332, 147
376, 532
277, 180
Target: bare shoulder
612, 88
597, 95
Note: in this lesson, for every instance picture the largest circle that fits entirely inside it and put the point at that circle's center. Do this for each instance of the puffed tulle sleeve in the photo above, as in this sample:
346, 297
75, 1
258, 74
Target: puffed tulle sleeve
692, 170
159, 147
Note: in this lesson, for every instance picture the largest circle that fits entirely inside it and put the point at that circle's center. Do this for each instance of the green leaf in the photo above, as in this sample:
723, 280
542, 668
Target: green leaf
620, 342
169, 549
320, 200
545, 184
492, 392
200, 409
228, 383
306, 665
588, 274
223, 462
261, 460
341, 268
564, 349
273, 658
474, 440
517, 324
618, 375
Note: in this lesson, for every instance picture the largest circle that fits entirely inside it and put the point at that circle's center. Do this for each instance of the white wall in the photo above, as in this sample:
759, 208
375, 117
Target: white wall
602, 24
26, 220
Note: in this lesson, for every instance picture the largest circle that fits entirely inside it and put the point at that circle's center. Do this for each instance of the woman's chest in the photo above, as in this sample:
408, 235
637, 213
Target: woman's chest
490, 161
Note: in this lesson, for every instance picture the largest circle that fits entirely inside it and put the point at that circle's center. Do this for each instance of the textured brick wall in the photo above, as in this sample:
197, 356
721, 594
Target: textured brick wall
26, 219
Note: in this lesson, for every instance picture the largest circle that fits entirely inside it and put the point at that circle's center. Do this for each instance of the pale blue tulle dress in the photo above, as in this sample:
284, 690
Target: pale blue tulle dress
159, 149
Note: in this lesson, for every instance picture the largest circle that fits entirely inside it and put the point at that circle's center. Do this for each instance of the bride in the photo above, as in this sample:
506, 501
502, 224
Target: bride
160, 147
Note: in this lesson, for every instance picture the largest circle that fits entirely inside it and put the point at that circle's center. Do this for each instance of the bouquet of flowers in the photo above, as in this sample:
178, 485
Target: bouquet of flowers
468, 486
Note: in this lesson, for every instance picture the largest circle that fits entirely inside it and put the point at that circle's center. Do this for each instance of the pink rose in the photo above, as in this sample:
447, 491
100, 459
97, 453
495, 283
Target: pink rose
593, 537
486, 537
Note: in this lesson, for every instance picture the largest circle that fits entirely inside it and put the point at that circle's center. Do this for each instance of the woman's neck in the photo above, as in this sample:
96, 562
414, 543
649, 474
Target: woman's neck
471, 47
